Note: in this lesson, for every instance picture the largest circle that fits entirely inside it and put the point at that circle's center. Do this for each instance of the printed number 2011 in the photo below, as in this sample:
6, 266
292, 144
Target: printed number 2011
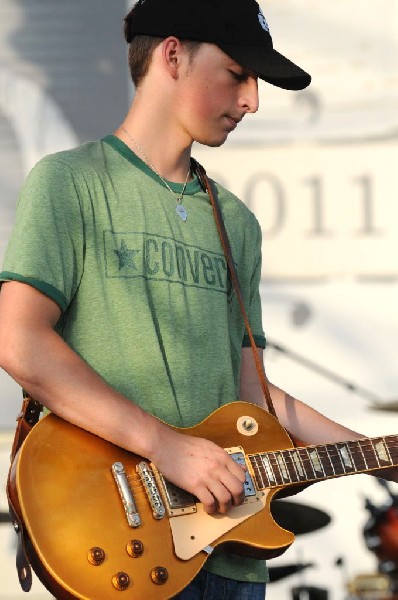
317, 220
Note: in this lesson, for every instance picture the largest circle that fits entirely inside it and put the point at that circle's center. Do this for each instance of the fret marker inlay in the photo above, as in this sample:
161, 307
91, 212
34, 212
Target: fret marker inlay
315, 461
345, 456
282, 467
296, 459
381, 451
268, 469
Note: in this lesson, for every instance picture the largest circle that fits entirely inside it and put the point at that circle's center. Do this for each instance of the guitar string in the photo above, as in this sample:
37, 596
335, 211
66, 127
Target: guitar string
353, 462
354, 453
355, 446
330, 469
328, 451
290, 476
323, 452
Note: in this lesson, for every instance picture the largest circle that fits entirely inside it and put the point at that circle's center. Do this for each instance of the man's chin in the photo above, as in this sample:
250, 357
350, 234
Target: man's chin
213, 142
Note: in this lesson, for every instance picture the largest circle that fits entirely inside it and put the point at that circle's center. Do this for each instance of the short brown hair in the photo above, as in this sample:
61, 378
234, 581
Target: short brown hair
140, 55
141, 49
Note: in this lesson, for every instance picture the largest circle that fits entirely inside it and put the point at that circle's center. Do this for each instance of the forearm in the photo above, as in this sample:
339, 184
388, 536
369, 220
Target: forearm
41, 362
300, 420
307, 424
45, 366
73, 391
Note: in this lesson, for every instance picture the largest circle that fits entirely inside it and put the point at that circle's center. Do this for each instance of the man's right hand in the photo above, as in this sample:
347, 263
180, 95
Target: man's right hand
200, 467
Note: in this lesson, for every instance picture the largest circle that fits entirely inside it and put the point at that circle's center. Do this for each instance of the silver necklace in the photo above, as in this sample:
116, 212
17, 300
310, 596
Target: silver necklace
180, 208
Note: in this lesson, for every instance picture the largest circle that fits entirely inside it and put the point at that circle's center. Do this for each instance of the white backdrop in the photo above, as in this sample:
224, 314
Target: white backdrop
318, 168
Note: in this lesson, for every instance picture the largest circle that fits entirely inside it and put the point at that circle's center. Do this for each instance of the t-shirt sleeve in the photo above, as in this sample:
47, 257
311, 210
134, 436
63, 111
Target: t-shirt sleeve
46, 249
254, 300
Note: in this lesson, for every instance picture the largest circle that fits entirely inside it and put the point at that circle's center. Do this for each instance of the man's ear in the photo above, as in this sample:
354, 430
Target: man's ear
172, 52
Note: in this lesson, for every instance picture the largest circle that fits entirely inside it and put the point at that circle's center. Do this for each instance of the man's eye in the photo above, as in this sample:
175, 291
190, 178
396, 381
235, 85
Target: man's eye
238, 76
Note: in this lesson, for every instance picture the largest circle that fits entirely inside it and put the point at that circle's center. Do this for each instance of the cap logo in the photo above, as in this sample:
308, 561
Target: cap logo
263, 21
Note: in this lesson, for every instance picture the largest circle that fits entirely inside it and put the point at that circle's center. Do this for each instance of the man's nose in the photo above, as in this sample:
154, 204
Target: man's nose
249, 96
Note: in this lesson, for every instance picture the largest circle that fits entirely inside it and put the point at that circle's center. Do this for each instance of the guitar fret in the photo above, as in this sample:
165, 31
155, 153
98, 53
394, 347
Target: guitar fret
335, 459
258, 470
340, 468
308, 464
305, 462
291, 466
280, 458
359, 458
330, 463
392, 448
376, 454
369, 453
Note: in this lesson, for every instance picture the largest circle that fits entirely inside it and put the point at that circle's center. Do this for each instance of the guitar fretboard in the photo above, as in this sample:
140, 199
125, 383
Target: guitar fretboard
316, 463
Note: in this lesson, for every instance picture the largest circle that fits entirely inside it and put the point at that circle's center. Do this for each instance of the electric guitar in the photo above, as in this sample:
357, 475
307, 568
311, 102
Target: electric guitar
103, 523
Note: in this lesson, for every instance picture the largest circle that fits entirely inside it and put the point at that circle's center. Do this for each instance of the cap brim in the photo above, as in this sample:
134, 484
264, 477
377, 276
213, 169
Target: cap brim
269, 65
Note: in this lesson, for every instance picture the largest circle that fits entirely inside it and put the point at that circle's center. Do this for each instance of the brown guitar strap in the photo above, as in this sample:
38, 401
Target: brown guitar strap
207, 186
26, 420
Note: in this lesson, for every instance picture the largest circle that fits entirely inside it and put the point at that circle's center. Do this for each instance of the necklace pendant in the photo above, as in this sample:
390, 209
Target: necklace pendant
181, 212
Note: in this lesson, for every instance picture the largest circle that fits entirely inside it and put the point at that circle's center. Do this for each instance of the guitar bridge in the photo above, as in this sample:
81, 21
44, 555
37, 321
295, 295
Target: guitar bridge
119, 474
152, 491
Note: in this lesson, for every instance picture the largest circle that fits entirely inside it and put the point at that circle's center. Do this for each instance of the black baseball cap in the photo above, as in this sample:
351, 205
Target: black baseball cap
238, 27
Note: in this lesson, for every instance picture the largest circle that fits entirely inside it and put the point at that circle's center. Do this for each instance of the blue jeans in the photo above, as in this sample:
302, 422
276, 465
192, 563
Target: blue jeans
207, 586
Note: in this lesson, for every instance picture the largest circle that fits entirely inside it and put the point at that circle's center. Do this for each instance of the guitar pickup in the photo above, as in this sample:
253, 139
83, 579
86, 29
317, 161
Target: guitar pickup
178, 501
238, 456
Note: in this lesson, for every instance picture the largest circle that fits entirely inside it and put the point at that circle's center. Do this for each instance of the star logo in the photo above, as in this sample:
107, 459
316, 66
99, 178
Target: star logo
126, 256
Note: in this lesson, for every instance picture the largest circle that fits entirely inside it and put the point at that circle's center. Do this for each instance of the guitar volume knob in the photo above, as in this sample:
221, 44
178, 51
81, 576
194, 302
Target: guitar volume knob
121, 581
159, 575
96, 556
135, 548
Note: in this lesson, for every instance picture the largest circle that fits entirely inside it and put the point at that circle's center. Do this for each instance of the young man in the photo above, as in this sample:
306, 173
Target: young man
115, 307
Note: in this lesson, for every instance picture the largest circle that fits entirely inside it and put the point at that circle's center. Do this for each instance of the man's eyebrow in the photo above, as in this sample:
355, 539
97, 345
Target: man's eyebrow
244, 70
245, 73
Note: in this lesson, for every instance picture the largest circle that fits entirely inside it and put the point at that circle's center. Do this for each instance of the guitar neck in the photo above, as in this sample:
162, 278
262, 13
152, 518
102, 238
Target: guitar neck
318, 463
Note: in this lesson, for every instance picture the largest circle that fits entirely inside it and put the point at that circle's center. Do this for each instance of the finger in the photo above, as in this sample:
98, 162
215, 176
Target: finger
237, 470
209, 502
235, 487
222, 496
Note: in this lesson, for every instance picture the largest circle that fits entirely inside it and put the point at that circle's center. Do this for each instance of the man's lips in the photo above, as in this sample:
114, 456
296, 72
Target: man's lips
234, 121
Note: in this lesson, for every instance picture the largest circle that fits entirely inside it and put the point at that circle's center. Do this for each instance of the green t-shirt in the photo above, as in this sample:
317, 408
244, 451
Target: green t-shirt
145, 297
